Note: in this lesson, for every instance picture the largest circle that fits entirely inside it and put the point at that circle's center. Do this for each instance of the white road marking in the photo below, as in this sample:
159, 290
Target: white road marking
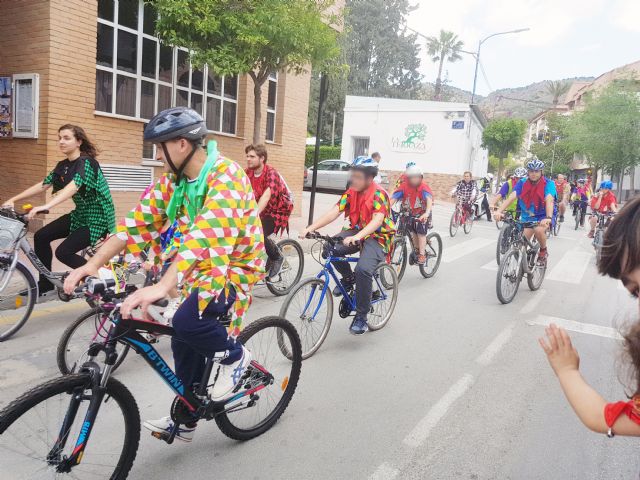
455, 252
492, 265
574, 326
571, 267
384, 472
421, 431
495, 346
533, 302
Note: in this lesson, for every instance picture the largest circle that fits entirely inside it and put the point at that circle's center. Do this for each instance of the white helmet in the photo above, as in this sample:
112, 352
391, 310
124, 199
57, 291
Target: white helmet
413, 170
490, 176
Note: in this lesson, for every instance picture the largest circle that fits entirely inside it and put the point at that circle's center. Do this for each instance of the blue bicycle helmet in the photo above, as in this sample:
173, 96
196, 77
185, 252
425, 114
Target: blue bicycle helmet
607, 184
366, 164
520, 172
535, 164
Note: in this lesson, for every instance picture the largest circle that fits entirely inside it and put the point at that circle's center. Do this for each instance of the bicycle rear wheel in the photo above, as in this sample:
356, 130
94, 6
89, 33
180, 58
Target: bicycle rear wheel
383, 296
310, 311
30, 426
292, 267
399, 257
91, 326
17, 299
509, 277
434, 255
244, 422
454, 223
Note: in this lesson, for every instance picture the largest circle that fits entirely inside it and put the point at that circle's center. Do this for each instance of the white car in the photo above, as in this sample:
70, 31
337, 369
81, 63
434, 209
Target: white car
333, 175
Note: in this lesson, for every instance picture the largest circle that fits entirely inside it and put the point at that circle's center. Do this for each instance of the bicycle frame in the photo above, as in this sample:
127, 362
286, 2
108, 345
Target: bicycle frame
524, 245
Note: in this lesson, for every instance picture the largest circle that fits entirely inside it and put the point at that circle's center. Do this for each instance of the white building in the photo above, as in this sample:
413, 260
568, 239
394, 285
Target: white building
442, 138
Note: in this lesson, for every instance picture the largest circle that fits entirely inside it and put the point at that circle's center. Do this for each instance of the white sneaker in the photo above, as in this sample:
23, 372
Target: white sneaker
165, 424
229, 376
171, 309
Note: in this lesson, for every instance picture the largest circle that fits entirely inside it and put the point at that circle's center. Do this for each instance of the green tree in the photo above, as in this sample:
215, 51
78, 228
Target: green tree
502, 137
556, 150
557, 88
445, 48
253, 37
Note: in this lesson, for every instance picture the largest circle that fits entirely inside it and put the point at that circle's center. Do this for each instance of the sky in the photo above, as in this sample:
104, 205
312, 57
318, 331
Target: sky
567, 38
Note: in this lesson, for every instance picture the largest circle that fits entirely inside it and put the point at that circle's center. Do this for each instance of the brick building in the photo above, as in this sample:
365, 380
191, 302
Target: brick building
98, 65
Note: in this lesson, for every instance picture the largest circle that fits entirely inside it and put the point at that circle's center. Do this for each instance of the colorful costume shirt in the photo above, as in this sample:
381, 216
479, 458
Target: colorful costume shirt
280, 204
534, 209
360, 207
413, 198
221, 247
94, 206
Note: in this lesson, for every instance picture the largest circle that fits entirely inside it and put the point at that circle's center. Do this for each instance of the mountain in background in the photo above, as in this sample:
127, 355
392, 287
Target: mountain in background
520, 102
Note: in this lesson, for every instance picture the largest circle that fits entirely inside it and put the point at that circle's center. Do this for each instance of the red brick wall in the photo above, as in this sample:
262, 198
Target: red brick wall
441, 183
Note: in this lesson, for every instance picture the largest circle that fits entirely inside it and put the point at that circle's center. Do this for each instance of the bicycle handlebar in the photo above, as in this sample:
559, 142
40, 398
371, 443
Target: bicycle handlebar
98, 286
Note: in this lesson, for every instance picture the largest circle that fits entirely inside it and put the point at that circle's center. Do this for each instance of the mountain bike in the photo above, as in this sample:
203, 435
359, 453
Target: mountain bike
462, 215
520, 260
88, 423
18, 287
554, 228
402, 242
507, 236
579, 212
598, 237
291, 270
309, 306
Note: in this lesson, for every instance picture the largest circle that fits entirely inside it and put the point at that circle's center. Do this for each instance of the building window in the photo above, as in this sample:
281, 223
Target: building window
272, 100
137, 77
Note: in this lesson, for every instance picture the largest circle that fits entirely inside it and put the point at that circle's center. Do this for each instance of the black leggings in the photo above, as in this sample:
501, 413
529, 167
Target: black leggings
66, 251
268, 227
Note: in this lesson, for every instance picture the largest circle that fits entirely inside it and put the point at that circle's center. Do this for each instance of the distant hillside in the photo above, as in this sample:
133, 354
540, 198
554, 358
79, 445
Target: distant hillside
520, 102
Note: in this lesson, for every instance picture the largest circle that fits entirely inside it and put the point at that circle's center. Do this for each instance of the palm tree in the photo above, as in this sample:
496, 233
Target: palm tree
557, 88
446, 48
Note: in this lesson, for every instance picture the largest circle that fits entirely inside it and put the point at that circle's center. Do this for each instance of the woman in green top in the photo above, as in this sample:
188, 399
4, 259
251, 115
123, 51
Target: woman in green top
78, 177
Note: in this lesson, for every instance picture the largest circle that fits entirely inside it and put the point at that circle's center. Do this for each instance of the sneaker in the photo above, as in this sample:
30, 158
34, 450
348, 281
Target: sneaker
171, 310
229, 376
561, 218
348, 285
359, 326
422, 259
275, 268
543, 255
164, 426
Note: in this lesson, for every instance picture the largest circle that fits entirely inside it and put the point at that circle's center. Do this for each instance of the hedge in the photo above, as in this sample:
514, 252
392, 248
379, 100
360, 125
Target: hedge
326, 153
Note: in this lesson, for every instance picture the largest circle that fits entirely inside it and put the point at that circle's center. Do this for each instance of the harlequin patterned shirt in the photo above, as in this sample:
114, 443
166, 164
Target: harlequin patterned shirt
223, 246
381, 204
94, 206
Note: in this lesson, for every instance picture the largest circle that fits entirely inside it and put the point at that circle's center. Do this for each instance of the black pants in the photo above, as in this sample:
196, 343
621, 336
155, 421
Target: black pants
268, 227
66, 251
485, 207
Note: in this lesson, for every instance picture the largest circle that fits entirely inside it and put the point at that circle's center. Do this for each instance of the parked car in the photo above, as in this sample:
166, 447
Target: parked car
333, 175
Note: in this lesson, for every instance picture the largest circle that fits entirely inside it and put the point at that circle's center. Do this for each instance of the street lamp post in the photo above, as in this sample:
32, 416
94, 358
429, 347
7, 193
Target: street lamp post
477, 55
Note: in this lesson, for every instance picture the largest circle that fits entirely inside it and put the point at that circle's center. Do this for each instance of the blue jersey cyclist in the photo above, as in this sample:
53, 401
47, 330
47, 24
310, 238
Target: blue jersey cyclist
536, 198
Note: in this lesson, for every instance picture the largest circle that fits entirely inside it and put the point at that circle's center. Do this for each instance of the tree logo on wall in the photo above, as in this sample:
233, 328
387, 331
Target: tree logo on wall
412, 140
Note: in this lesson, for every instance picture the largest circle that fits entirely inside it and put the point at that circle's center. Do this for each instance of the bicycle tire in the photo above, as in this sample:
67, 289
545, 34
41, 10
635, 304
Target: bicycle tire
399, 245
556, 228
286, 314
225, 425
468, 224
423, 268
505, 299
453, 224
502, 247
394, 294
273, 287
577, 218
115, 391
597, 244
533, 285
61, 357
31, 300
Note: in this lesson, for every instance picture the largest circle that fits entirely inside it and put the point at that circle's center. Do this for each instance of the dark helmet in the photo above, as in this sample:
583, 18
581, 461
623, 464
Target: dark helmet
177, 122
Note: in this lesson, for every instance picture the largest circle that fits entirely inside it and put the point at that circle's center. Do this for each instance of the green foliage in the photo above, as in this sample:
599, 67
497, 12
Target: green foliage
509, 164
557, 88
254, 37
503, 136
445, 48
558, 149
326, 153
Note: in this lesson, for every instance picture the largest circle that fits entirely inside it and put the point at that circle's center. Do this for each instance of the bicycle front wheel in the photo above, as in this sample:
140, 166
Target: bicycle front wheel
468, 224
309, 308
454, 224
92, 326
399, 257
17, 298
509, 277
245, 422
31, 426
434, 255
598, 240
292, 267
383, 296
504, 238
535, 278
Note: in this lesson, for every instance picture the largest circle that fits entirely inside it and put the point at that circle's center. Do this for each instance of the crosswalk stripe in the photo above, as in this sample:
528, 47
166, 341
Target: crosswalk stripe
492, 265
574, 326
571, 267
454, 252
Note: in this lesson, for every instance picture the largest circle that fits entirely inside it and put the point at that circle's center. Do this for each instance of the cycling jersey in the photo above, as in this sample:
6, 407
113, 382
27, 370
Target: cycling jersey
532, 198
221, 247
606, 203
582, 193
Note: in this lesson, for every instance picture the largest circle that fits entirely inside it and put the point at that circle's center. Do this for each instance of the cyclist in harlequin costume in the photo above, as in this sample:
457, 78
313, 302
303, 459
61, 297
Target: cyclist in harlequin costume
415, 194
370, 231
506, 189
220, 258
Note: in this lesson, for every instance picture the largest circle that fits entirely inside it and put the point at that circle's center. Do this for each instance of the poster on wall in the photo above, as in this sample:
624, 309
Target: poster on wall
5, 107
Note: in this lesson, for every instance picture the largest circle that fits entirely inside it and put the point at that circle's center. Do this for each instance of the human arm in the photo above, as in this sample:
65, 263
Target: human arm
63, 195
324, 220
586, 402
503, 206
146, 296
29, 192
107, 251
425, 216
264, 200
548, 207
369, 228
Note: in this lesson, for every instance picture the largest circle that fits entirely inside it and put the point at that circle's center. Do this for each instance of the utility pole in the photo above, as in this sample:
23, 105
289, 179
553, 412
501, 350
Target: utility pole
324, 88
333, 131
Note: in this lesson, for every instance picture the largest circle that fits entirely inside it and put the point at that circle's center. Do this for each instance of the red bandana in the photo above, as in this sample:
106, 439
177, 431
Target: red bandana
361, 205
533, 193
412, 193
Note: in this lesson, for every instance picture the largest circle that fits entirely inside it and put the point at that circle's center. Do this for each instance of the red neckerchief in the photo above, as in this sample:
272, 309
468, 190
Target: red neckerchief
560, 186
411, 193
259, 183
361, 205
533, 193
612, 411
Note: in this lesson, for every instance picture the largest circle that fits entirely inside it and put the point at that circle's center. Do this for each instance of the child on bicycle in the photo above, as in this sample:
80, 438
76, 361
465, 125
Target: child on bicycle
620, 260
602, 202
416, 197
370, 231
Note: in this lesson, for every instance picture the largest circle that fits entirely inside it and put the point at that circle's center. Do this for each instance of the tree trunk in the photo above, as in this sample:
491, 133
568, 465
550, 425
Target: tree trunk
632, 182
500, 166
257, 111
438, 90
